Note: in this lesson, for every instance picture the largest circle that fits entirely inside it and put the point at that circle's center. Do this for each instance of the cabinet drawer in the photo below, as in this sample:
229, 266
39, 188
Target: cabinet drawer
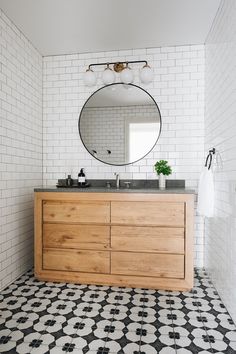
92, 212
148, 213
79, 261
147, 264
153, 239
76, 236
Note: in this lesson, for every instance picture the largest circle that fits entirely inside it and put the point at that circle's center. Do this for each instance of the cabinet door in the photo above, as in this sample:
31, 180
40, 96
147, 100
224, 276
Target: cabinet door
77, 261
79, 211
148, 213
147, 264
147, 239
76, 236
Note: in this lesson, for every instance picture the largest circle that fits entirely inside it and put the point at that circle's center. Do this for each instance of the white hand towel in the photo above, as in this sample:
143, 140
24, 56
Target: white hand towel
206, 194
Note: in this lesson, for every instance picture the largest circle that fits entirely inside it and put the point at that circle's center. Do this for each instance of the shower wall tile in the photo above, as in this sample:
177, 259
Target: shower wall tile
220, 133
20, 148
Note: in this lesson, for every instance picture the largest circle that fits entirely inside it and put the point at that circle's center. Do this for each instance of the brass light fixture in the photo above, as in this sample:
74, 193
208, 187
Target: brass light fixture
122, 67
118, 67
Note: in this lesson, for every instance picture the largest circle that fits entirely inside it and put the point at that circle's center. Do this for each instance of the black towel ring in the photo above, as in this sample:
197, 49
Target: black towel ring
209, 157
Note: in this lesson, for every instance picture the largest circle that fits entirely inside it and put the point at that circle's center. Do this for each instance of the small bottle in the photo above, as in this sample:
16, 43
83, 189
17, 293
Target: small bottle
69, 181
81, 178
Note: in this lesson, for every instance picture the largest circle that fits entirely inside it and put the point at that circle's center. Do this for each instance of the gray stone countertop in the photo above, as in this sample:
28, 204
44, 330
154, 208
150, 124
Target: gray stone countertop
114, 190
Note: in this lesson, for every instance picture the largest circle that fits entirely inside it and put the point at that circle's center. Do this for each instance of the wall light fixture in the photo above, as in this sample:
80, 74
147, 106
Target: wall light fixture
126, 73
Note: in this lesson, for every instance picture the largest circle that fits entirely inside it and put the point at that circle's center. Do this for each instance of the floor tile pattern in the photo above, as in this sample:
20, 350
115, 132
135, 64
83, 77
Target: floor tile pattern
43, 317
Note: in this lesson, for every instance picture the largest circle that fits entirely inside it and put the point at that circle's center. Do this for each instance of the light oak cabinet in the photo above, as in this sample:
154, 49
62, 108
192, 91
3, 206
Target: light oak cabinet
124, 239
147, 213
76, 260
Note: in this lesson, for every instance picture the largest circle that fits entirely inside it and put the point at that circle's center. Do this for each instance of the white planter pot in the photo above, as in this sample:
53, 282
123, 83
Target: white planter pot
162, 181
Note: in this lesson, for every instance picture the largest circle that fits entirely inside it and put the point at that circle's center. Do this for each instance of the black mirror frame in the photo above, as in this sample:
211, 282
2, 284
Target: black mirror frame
123, 164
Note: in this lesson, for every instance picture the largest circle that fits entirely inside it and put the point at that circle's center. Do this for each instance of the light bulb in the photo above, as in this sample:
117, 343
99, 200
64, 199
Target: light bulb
146, 74
108, 76
90, 78
126, 75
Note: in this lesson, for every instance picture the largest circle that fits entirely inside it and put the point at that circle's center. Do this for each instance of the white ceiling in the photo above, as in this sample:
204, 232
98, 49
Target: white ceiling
76, 26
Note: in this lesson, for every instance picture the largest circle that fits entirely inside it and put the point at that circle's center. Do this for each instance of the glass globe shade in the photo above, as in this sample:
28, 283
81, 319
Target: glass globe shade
127, 76
90, 78
146, 74
108, 76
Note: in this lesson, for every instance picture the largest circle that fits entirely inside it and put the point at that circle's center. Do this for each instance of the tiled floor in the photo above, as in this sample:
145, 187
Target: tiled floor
38, 317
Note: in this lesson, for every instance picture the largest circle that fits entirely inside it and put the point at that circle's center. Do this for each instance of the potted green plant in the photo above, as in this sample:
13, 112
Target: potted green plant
162, 169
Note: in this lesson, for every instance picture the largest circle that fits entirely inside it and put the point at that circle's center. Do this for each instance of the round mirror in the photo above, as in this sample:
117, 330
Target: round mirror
120, 124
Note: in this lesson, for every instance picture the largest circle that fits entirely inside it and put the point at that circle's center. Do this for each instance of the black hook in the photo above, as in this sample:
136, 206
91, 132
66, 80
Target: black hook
212, 151
209, 156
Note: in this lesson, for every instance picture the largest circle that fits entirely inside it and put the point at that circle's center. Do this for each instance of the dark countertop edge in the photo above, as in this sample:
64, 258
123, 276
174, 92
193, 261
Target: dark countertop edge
113, 190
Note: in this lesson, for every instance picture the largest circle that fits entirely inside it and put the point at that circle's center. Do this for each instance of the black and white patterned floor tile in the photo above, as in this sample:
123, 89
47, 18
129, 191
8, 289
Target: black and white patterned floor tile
43, 317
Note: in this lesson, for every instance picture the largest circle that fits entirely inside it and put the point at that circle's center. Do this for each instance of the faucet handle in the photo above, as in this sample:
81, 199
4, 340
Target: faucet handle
127, 184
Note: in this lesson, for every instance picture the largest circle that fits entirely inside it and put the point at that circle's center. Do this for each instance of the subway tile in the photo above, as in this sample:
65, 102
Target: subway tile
21, 148
220, 129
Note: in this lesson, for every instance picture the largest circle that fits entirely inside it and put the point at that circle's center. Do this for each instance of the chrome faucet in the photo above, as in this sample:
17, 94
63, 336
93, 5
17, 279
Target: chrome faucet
117, 180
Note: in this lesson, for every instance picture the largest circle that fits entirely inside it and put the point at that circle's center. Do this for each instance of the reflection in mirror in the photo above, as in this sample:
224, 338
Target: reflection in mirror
120, 124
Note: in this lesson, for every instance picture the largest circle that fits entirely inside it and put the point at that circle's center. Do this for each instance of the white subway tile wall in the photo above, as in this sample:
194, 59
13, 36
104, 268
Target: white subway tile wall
178, 89
220, 231
21, 148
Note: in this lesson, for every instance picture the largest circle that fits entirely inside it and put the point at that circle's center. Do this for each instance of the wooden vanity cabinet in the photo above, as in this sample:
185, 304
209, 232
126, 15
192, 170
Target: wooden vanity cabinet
123, 239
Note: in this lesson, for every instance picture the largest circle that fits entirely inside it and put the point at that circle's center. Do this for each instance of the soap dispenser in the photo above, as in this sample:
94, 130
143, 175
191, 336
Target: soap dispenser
81, 178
